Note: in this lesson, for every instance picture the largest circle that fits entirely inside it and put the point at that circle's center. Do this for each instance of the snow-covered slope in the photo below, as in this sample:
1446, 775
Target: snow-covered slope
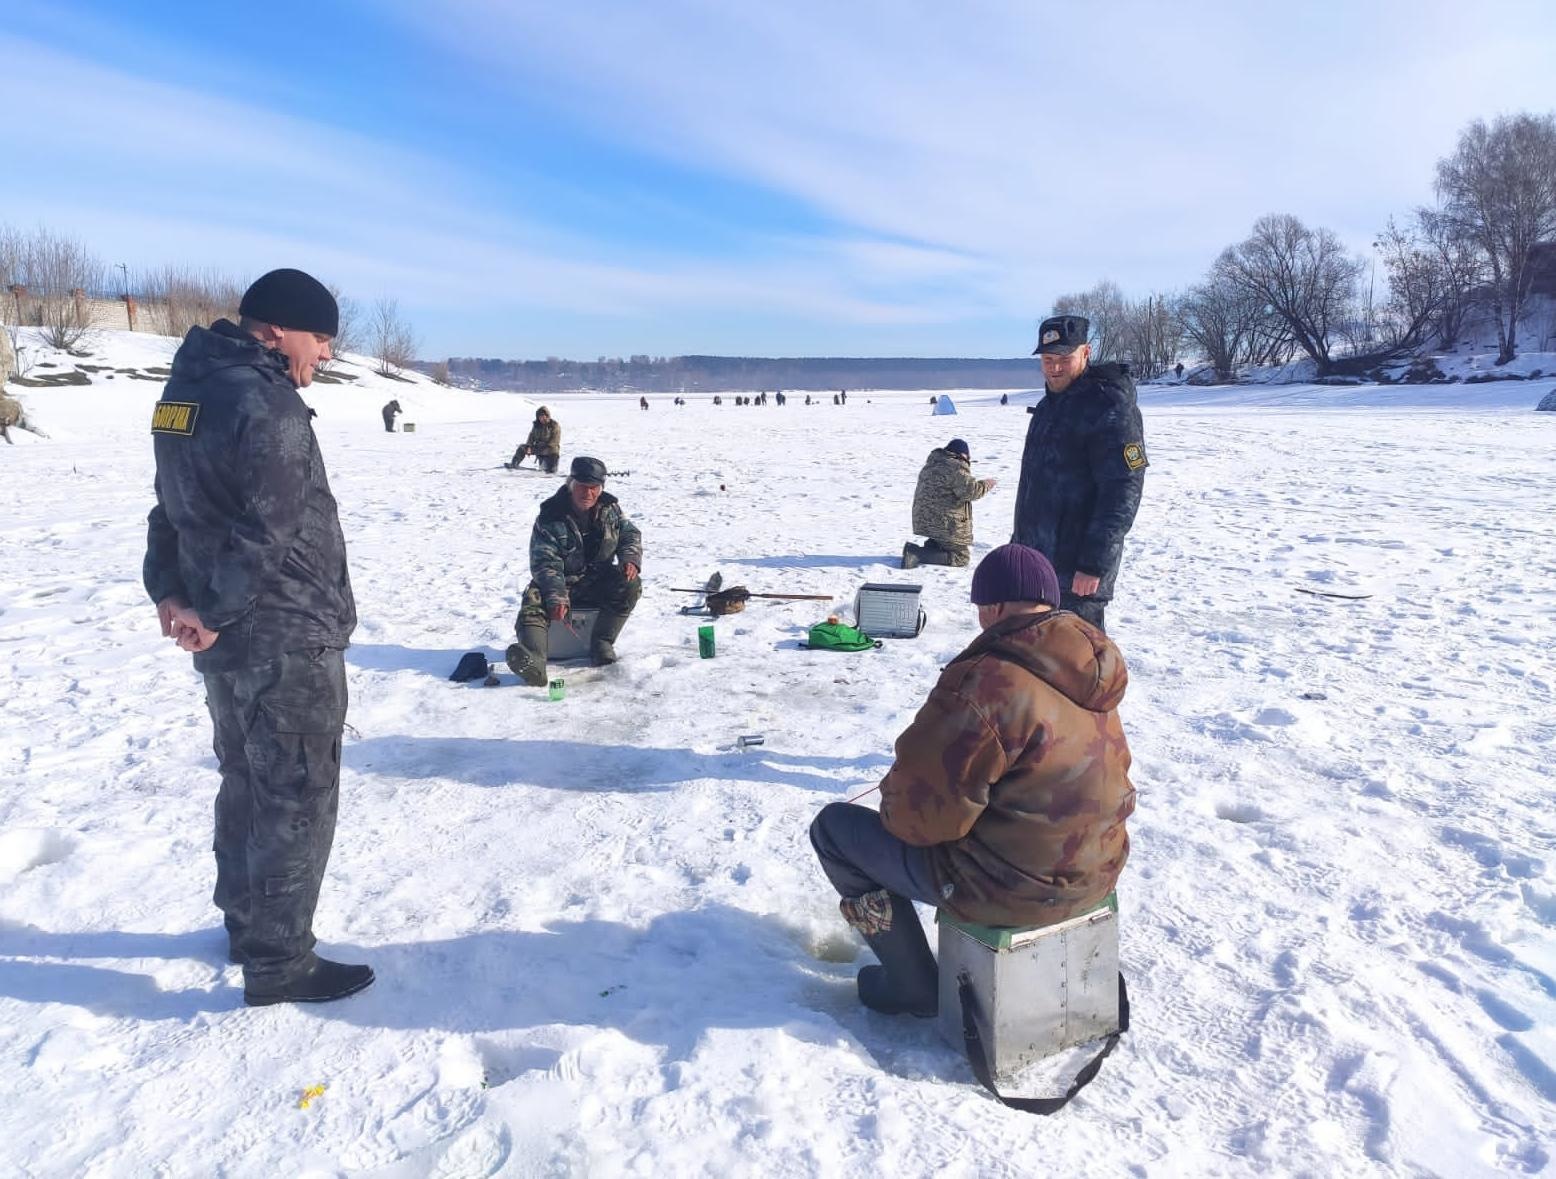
113, 378
602, 944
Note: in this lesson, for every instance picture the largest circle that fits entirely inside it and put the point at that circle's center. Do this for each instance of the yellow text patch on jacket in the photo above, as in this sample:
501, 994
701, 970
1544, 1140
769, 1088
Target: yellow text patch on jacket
174, 417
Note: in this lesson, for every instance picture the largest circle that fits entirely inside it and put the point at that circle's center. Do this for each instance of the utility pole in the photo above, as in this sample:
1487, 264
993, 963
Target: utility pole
124, 293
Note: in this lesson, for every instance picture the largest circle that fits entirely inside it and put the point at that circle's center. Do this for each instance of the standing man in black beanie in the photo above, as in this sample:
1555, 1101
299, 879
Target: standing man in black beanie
1083, 468
247, 565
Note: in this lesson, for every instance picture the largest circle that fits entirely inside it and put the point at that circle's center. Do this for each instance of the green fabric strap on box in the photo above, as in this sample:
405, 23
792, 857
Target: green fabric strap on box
998, 937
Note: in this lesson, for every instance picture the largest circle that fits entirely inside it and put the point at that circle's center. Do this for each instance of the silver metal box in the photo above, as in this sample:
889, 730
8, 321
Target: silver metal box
1048, 989
569, 639
887, 611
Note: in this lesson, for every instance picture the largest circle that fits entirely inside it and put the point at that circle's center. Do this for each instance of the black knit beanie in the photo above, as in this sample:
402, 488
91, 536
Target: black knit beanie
292, 299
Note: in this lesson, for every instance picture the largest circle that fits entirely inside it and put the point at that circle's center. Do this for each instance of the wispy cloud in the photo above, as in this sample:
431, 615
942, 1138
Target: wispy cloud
153, 172
919, 174
1056, 141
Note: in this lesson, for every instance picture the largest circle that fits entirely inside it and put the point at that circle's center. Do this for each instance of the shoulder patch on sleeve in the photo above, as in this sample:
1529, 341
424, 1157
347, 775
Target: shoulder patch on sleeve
174, 417
1134, 456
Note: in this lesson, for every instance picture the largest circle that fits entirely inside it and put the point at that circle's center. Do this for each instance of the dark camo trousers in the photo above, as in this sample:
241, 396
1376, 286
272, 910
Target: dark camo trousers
277, 736
546, 462
604, 586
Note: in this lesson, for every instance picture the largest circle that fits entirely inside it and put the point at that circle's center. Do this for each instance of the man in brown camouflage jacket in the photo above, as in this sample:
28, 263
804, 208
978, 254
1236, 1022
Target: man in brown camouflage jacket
942, 507
1007, 799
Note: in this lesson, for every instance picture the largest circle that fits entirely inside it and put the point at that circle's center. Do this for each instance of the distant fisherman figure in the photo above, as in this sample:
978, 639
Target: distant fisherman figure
544, 442
1083, 468
389, 412
247, 565
942, 507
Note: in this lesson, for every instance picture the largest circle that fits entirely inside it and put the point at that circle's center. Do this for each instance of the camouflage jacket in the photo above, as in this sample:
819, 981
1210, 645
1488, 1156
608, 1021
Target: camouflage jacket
1082, 473
1015, 774
244, 528
560, 552
545, 437
942, 501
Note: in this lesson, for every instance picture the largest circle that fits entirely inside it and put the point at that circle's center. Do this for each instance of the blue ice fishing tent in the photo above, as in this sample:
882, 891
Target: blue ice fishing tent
944, 405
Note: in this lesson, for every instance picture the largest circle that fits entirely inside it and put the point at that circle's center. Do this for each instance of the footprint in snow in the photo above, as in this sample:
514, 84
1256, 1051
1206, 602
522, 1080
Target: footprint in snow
26, 848
1239, 812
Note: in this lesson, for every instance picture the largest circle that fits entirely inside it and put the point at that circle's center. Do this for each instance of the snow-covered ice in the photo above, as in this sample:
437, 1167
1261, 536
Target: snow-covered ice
602, 943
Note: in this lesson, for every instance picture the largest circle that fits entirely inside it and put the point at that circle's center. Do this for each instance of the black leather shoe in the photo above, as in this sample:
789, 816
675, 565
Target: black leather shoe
321, 982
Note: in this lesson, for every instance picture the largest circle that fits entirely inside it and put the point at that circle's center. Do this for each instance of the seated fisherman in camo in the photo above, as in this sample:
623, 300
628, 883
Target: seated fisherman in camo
1007, 799
583, 551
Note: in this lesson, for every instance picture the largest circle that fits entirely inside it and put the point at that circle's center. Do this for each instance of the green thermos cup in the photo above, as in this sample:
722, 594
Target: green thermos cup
705, 641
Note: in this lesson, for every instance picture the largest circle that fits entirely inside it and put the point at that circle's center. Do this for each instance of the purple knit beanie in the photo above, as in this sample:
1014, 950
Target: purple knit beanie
1015, 573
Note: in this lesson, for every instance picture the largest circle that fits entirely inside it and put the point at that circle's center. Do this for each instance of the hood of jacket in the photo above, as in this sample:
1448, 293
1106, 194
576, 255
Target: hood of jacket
224, 345
940, 456
1115, 378
1061, 649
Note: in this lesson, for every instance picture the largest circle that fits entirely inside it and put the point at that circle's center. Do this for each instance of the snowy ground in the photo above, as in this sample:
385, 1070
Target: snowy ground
601, 942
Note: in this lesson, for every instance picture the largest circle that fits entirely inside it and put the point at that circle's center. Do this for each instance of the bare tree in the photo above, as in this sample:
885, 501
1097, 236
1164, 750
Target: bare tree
1304, 276
348, 333
1498, 194
177, 298
1151, 335
64, 272
1223, 321
391, 339
440, 373
1103, 305
14, 259
14, 248
1463, 273
1430, 277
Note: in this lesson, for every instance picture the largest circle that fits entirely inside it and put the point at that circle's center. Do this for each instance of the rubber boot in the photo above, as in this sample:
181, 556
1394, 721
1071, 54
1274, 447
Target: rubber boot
910, 555
907, 982
319, 982
934, 554
602, 644
527, 657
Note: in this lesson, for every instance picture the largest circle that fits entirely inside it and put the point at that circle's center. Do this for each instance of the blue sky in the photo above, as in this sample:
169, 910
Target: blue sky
710, 176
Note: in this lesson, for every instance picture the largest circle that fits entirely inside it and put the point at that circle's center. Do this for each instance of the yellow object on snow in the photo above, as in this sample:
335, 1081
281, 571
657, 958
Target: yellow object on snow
309, 1094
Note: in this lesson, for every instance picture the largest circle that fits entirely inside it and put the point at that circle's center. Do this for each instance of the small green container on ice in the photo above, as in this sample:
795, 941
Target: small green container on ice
705, 641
